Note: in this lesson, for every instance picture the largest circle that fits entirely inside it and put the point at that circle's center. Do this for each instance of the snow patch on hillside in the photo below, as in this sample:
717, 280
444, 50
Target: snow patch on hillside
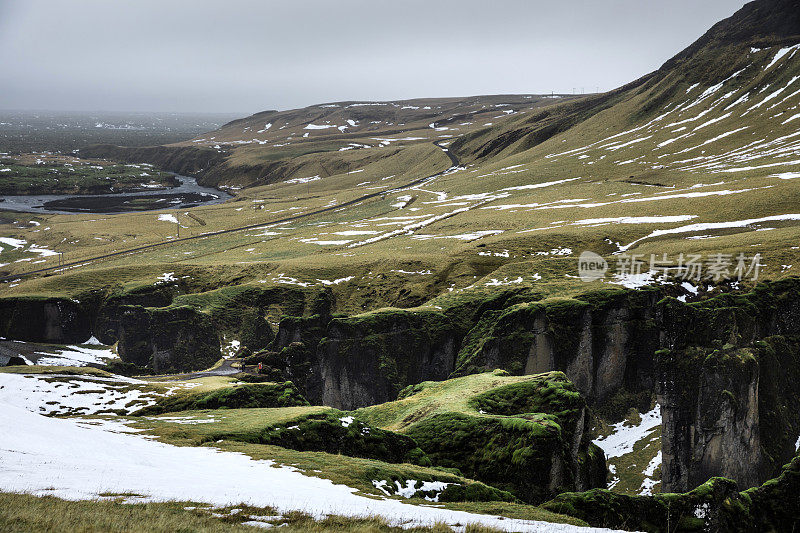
89, 460
624, 435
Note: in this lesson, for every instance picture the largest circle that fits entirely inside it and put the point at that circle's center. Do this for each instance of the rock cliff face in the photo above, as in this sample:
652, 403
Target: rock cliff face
724, 369
358, 361
711, 380
49, 320
710, 410
602, 343
725, 381
167, 339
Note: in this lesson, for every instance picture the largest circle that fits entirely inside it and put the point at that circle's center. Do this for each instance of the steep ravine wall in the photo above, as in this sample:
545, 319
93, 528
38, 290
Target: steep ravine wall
359, 361
184, 160
724, 368
709, 381
48, 320
163, 327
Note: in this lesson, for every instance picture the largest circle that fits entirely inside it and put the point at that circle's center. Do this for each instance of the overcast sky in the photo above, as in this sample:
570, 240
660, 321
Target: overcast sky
245, 56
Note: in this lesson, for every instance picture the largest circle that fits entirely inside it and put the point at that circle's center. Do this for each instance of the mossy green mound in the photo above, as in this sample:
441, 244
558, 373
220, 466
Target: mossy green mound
514, 454
526, 435
335, 433
550, 394
237, 397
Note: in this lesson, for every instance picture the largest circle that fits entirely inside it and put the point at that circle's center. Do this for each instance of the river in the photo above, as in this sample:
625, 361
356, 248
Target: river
188, 194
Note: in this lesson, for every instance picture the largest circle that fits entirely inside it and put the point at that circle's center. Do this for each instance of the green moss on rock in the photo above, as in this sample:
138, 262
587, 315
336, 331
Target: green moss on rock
338, 434
238, 397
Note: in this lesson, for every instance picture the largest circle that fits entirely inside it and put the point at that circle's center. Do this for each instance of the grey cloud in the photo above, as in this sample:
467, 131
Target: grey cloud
249, 55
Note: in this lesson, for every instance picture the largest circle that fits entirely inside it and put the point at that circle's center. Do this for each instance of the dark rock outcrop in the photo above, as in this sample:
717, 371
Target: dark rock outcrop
364, 360
172, 339
714, 506
602, 341
710, 409
49, 320
368, 361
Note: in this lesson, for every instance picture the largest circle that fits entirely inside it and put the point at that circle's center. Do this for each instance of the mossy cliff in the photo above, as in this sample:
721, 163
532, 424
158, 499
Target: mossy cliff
530, 438
716, 505
170, 339
338, 434
716, 409
527, 436
50, 320
366, 359
726, 382
728, 410
603, 341
709, 403
262, 395
147, 318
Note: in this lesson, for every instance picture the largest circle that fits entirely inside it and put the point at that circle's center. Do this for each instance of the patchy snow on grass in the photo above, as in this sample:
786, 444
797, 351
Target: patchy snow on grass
288, 280
787, 175
19, 244
402, 201
75, 356
167, 277
62, 394
649, 483
694, 228
639, 280
231, 348
319, 126
168, 218
409, 489
538, 185
781, 54
326, 243
624, 436
353, 233
336, 281
67, 459
494, 282
634, 220
302, 180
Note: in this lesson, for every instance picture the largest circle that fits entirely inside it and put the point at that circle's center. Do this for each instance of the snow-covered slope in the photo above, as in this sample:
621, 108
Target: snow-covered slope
741, 120
72, 459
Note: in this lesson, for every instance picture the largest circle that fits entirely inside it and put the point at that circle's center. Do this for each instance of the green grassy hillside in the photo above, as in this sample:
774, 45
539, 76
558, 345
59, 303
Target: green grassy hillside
697, 158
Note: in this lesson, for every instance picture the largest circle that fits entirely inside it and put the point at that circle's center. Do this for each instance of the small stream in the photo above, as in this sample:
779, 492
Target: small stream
188, 194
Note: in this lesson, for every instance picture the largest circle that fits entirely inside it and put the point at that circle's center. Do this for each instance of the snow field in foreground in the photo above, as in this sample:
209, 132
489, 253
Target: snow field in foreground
76, 460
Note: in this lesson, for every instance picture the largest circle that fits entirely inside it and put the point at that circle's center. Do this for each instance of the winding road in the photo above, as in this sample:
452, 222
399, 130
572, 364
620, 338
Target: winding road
84, 262
225, 369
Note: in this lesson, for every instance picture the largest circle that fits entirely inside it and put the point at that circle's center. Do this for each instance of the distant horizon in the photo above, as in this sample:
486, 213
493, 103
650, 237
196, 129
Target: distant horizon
92, 56
265, 110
